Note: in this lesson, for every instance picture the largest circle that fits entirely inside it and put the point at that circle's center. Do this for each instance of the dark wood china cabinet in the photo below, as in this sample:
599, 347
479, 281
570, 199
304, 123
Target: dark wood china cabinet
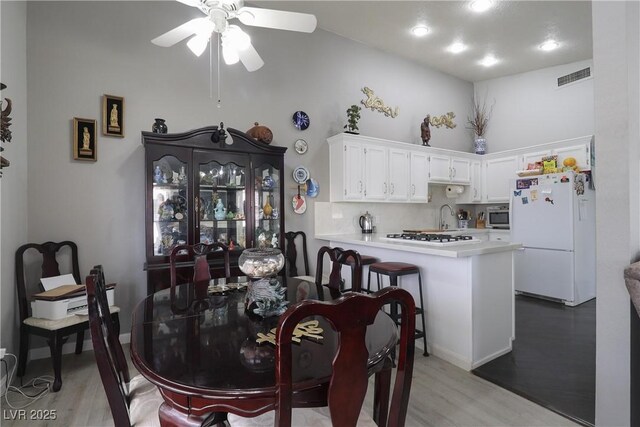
210, 185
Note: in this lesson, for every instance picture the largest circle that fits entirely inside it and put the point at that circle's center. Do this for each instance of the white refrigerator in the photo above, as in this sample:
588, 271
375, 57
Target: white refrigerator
553, 216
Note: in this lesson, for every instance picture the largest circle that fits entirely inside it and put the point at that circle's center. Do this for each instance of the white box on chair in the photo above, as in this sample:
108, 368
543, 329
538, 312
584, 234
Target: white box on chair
56, 310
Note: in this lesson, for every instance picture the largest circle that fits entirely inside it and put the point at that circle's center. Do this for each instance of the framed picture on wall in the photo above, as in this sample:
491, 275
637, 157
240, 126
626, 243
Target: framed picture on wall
85, 144
113, 116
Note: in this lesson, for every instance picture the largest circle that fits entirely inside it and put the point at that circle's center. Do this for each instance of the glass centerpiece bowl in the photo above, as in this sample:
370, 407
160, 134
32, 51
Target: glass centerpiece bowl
265, 295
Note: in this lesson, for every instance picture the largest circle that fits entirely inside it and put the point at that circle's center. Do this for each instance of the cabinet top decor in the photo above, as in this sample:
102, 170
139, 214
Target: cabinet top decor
208, 138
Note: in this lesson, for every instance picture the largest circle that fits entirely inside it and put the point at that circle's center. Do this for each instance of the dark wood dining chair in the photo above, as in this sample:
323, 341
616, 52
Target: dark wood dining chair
291, 255
56, 332
338, 258
133, 401
349, 316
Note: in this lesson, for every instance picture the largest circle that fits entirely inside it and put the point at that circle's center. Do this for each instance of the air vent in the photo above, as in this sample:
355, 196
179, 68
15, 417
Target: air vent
574, 77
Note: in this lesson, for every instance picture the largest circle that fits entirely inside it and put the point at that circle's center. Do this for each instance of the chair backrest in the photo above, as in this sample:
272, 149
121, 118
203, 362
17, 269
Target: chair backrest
338, 257
349, 316
107, 349
50, 252
199, 254
291, 253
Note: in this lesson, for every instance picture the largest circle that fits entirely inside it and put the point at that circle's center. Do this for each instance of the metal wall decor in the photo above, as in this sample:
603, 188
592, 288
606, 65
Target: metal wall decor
374, 103
5, 133
445, 120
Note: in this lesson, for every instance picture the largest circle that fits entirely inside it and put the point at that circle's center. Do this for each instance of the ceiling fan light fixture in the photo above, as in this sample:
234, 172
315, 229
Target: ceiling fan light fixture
549, 45
230, 55
489, 61
420, 30
198, 43
480, 6
236, 38
457, 47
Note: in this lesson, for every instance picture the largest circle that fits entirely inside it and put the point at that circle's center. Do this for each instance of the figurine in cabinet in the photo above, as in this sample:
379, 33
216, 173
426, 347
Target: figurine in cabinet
220, 212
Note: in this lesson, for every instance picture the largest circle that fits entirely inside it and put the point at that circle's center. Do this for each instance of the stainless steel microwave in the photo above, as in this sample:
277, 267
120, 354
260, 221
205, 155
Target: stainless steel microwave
497, 217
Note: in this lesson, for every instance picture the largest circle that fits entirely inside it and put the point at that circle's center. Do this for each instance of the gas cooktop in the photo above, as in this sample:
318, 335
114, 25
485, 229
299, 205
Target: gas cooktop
432, 239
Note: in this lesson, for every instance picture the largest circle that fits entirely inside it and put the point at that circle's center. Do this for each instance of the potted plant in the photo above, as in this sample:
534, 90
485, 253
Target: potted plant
478, 122
353, 115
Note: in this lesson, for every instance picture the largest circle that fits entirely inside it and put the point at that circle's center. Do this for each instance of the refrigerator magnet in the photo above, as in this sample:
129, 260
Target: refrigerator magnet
525, 201
517, 193
534, 195
548, 199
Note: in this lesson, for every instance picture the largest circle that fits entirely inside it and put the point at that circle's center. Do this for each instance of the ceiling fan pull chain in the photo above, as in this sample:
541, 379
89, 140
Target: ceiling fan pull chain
219, 95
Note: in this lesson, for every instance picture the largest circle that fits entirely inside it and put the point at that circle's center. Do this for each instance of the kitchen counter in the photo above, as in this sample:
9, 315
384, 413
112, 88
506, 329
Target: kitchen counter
452, 251
467, 287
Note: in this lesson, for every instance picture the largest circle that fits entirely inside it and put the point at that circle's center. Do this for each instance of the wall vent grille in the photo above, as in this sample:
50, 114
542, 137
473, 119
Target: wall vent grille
574, 77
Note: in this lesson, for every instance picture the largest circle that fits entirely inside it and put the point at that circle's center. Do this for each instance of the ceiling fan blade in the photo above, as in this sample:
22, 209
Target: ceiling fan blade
278, 19
193, 3
180, 33
250, 58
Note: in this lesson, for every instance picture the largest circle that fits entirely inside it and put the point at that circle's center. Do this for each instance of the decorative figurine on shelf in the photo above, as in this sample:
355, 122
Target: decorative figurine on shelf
182, 176
157, 175
159, 126
261, 133
353, 115
268, 182
267, 209
260, 214
220, 212
275, 213
425, 132
230, 215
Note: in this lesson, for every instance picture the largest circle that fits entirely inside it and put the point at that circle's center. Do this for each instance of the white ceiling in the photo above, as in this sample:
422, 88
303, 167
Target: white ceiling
511, 31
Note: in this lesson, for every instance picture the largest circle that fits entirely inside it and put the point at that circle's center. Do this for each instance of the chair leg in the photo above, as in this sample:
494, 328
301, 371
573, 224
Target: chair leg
116, 323
55, 345
79, 341
424, 326
24, 351
382, 387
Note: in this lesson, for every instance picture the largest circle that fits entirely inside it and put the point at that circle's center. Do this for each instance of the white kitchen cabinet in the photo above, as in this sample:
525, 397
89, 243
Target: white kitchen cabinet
353, 176
532, 157
498, 175
398, 175
474, 192
375, 173
419, 175
579, 152
499, 236
447, 169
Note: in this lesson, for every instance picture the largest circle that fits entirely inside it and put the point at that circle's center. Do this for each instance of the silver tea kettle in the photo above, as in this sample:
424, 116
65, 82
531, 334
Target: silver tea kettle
366, 223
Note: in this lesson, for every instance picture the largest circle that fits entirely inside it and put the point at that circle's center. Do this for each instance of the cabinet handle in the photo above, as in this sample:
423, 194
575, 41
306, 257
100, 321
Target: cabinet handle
454, 171
361, 187
196, 203
475, 192
413, 189
393, 188
385, 188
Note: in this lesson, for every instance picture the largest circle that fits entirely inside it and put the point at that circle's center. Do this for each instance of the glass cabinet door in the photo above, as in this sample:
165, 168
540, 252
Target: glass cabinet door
170, 216
267, 206
221, 201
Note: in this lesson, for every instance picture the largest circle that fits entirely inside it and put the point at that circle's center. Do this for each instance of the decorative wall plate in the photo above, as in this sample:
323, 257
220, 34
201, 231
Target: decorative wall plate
301, 146
299, 204
312, 187
300, 175
301, 120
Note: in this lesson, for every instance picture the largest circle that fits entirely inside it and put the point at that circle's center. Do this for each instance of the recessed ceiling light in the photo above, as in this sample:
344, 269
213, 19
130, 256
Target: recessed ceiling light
488, 61
481, 5
549, 45
457, 47
420, 30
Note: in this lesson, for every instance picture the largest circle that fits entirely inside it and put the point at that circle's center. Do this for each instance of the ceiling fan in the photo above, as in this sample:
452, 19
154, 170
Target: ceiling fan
236, 44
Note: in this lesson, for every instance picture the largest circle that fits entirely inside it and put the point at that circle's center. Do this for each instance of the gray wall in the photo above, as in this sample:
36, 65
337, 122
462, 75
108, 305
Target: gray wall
529, 108
78, 51
13, 184
616, 45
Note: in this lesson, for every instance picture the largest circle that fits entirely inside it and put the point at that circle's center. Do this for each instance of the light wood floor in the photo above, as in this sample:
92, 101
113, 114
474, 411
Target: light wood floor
441, 395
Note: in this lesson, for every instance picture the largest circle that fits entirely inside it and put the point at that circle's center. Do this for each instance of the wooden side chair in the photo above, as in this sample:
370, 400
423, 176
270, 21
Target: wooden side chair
350, 316
133, 401
197, 257
55, 331
338, 257
291, 255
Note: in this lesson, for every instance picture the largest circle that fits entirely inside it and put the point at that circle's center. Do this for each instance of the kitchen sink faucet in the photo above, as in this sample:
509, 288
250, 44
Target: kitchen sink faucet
441, 224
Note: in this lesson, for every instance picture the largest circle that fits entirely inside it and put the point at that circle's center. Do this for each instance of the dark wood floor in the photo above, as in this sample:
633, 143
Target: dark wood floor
553, 362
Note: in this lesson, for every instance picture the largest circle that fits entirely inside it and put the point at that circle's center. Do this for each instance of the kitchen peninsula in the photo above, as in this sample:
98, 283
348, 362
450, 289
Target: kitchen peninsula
468, 292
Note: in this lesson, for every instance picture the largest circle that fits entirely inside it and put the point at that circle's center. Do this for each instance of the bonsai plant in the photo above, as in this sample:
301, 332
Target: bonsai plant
478, 122
353, 115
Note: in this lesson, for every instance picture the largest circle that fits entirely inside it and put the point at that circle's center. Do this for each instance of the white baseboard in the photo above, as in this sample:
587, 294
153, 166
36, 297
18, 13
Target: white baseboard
70, 347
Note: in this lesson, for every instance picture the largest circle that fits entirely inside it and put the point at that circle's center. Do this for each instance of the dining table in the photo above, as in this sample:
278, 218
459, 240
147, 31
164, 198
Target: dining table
209, 356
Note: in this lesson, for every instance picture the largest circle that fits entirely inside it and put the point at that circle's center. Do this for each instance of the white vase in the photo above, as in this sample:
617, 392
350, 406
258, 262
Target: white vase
480, 145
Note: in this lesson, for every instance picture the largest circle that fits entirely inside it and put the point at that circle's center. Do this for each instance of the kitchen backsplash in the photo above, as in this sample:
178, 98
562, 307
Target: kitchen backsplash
342, 218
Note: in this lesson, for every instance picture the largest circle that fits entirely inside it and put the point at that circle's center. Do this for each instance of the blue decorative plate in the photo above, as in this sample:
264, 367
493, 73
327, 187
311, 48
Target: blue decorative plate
301, 120
312, 187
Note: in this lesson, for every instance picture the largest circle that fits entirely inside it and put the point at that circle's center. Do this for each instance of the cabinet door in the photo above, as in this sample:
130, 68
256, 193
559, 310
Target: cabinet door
375, 173
579, 152
168, 200
439, 168
267, 203
419, 177
398, 175
499, 172
497, 236
473, 193
460, 170
353, 171
221, 197
532, 157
